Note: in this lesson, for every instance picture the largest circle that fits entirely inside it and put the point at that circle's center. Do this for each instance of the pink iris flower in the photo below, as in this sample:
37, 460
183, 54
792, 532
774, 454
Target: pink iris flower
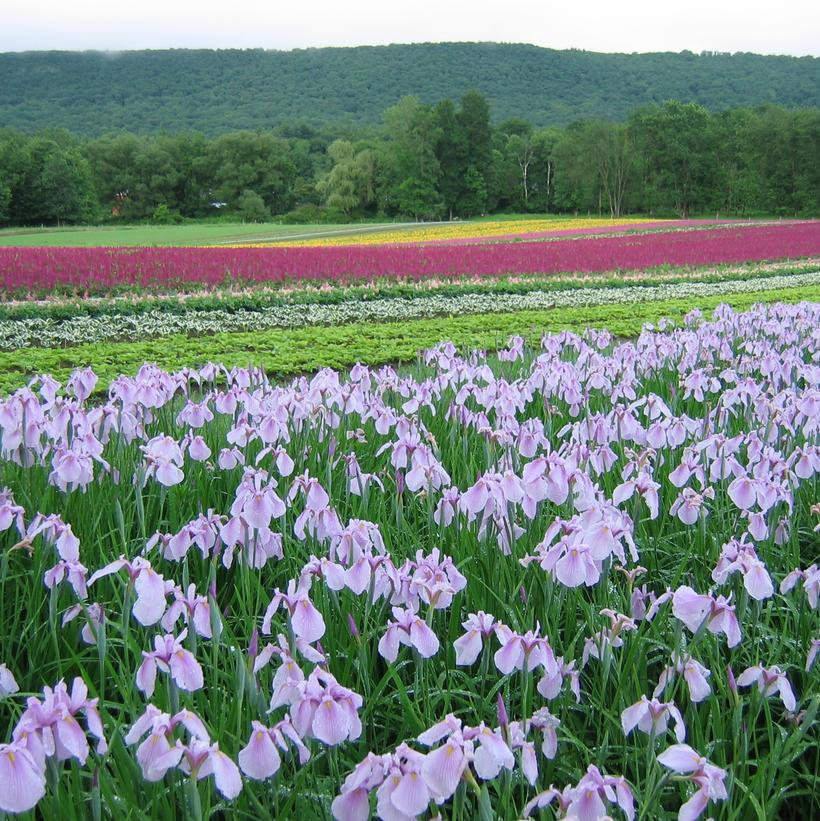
738, 557
306, 620
53, 722
693, 609
492, 754
521, 652
404, 793
770, 681
171, 657
544, 721
646, 487
409, 629
163, 460
743, 491
325, 710
257, 545
436, 580
22, 778
200, 758
545, 477
260, 758
689, 506
814, 649
156, 755
288, 677
8, 684
229, 458
810, 577
448, 505
11, 513
197, 448
151, 588
682, 759
594, 646
59, 534
82, 383
550, 684
694, 674
479, 626
352, 803
577, 566
330, 572
201, 532
256, 500
651, 717
194, 609
195, 415
588, 799
444, 766
95, 615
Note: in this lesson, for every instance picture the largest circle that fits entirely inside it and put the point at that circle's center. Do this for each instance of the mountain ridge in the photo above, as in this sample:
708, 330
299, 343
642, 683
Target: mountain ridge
219, 90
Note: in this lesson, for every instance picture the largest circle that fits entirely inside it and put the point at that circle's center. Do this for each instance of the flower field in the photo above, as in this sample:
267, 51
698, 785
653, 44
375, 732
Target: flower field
16, 334
574, 581
489, 230
569, 577
105, 270
508, 231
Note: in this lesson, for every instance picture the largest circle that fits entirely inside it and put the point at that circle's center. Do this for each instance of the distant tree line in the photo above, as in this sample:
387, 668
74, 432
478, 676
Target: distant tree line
425, 162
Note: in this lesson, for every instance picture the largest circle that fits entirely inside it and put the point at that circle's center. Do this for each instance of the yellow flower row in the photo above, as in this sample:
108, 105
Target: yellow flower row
453, 230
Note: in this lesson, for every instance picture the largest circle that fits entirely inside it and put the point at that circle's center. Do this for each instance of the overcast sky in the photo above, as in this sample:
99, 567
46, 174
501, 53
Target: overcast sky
783, 27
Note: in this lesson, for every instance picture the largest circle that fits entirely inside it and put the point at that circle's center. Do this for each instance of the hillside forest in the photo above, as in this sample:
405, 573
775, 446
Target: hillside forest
217, 91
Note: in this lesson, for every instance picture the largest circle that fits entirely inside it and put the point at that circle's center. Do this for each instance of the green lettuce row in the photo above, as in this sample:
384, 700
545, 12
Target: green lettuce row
288, 352
152, 324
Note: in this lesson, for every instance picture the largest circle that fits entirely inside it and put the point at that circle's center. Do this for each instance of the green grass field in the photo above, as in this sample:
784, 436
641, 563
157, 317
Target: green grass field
188, 234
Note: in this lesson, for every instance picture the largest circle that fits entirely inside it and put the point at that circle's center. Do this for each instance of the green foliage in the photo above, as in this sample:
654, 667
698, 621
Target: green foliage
303, 350
411, 170
680, 162
306, 215
44, 180
352, 180
5, 202
218, 91
251, 161
473, 198
675, 159
250, 207
164, 216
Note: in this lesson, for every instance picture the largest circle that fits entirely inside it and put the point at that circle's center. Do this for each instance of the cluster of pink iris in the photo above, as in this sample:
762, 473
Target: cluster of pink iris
582, 486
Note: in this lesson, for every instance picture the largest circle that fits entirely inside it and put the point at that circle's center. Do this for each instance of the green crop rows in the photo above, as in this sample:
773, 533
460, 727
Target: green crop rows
294, 351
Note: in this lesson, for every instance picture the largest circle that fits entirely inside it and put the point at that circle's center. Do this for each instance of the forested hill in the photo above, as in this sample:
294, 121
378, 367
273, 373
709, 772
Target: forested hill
217, 91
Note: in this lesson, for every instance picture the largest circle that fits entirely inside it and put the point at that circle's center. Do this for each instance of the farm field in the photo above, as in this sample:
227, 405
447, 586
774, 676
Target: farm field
91, 271
519, 519
245, 234
171, 235
275, 233
453, 586
294, 338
